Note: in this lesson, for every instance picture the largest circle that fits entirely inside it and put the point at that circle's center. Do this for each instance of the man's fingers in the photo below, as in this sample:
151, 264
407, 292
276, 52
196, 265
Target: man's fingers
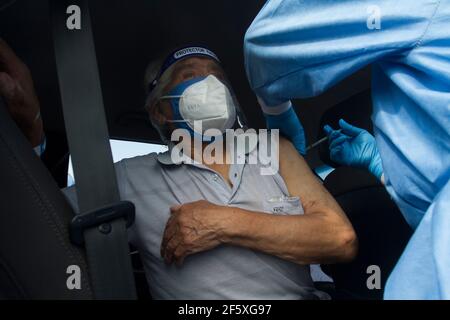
179, 256
175, 208
168, 236
8, 86
169, 252
170, 232
16, 102
9, 62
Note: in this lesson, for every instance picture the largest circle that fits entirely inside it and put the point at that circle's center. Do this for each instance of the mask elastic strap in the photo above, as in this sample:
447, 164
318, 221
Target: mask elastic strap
177, 97
176, 121
214, 118
170, 97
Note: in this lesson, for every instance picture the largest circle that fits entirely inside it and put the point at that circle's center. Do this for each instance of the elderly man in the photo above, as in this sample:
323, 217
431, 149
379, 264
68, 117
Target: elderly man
211, 230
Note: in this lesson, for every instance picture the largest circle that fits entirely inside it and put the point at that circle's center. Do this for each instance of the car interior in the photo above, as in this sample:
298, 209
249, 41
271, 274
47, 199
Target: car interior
35, 240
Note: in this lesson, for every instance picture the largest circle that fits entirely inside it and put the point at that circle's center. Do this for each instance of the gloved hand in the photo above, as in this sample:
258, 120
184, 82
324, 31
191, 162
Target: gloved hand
354, 147
290, 127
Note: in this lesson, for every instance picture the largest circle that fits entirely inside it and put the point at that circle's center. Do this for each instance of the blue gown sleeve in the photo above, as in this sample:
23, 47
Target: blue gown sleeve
423, 271
298, 49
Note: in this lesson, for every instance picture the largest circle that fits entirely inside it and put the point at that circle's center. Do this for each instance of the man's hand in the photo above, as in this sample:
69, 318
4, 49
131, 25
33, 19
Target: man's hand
16, 87
192, 228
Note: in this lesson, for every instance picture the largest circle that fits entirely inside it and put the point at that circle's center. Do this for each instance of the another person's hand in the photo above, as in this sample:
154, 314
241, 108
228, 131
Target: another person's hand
17, 89
290, 127
354, 147
192, 228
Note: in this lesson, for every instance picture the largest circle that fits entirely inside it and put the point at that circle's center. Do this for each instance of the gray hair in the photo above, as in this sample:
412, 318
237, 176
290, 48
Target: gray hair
152, 71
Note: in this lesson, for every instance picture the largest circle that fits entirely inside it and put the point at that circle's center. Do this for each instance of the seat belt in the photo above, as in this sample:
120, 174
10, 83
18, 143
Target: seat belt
102, 220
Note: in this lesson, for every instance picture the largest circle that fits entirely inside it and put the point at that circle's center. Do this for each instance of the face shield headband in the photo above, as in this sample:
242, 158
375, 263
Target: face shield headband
178, 55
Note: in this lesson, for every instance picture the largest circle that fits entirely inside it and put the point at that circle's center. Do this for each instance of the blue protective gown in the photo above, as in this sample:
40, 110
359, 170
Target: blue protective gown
298, 49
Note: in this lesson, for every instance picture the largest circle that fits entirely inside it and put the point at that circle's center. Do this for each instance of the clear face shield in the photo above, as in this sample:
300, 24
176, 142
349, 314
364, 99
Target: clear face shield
200, 100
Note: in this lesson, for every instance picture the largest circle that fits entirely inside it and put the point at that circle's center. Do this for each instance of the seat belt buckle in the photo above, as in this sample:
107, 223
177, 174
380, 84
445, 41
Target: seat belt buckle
100, 218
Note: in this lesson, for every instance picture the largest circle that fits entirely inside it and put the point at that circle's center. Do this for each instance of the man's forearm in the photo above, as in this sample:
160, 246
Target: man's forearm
303, 239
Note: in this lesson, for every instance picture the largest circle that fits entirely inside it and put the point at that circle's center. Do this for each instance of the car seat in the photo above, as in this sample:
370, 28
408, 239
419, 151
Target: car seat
35, 249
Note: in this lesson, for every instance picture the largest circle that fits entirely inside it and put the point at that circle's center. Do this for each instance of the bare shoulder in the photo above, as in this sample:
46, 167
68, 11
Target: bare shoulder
289, 156
285, 144
295, 170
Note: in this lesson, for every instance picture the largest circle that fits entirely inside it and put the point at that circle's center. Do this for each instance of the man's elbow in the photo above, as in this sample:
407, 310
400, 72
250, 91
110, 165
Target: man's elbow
347, 244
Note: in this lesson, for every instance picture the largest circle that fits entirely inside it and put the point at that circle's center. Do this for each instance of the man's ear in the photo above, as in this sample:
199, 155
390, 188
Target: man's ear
155, 112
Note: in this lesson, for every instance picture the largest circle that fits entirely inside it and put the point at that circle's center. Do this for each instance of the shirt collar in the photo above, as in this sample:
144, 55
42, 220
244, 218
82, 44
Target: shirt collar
165, 158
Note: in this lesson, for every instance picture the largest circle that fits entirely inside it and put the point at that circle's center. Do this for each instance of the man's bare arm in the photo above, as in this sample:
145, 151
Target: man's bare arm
322, 235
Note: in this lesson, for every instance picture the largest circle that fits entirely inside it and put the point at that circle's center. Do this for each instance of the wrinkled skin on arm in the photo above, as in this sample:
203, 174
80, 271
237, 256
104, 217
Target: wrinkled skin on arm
322, 235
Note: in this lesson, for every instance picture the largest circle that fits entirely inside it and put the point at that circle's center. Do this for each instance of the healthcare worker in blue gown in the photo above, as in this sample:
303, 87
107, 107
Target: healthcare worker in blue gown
298, 49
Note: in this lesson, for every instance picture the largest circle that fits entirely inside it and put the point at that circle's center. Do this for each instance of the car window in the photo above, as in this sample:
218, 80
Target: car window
122, 150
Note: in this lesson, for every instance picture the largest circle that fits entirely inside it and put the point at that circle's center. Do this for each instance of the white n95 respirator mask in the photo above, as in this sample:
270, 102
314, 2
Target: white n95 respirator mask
204, 100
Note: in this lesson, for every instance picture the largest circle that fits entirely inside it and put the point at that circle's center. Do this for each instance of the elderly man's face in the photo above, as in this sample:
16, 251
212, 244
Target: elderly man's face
187, 69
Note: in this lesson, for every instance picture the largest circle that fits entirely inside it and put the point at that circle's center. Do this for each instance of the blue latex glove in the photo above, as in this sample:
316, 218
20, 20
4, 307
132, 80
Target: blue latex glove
290, 127
354, 147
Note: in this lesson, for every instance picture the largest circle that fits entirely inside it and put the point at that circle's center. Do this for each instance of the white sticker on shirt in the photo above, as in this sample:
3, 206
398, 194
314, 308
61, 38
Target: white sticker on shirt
283, 205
